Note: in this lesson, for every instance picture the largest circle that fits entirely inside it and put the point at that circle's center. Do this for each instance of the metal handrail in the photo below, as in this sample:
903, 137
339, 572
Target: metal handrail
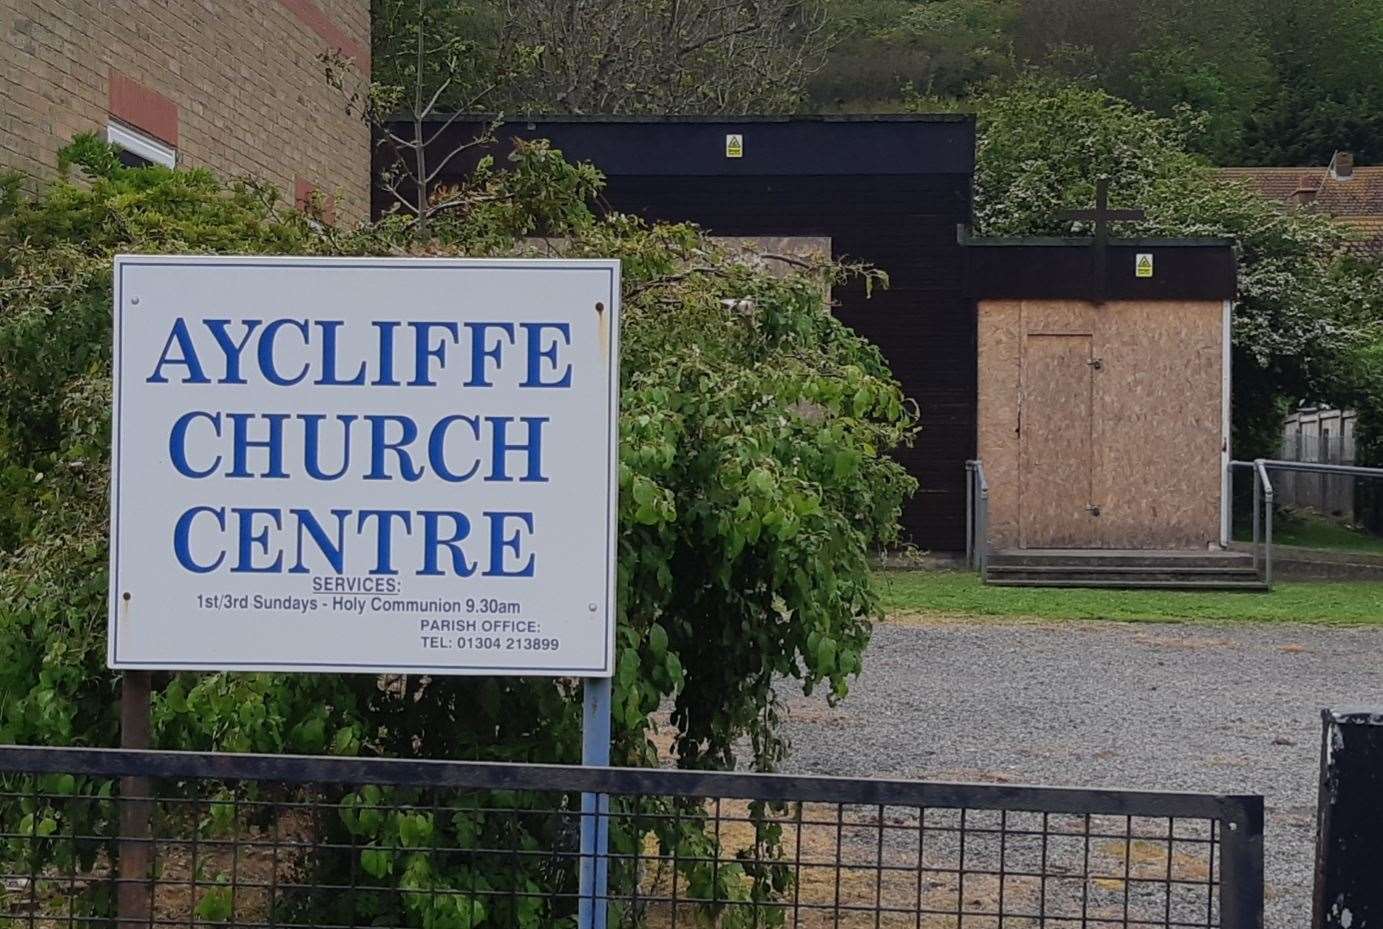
1355, 470
1263, 496
976, 516
1261, 469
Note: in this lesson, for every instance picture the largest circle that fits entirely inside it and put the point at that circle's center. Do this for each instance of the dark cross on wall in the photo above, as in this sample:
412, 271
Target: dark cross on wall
1102, 216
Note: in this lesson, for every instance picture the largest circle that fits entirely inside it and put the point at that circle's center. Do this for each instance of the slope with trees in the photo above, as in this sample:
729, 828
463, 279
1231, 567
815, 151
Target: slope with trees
1277, 81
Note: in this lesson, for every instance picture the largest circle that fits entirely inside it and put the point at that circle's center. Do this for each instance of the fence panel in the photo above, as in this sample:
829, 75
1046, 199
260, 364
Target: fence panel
284, 841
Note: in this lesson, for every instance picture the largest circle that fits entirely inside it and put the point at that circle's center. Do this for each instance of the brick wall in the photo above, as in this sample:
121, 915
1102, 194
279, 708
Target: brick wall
234, 85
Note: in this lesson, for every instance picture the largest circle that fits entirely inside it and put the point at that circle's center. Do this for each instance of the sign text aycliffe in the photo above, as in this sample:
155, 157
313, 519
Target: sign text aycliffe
364, 465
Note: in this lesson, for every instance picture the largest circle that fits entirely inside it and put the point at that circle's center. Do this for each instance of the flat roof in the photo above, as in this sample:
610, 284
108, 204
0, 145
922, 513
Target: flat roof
716, 119
767, 146
1069, 268
1043, 241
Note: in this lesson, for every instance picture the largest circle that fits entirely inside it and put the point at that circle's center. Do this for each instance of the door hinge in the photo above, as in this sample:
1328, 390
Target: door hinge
1093, 509
1096, 363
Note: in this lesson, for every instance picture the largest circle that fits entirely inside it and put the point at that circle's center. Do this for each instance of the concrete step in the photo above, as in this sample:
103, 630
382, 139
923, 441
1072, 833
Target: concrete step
1083, 558
1053, 570
1170, 570
1133, 583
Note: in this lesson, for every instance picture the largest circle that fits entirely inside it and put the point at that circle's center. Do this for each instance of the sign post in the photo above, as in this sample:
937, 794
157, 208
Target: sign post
363, 465
595, 808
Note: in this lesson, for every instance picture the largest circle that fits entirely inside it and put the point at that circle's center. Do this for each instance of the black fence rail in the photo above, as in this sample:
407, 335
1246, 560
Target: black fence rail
284, 841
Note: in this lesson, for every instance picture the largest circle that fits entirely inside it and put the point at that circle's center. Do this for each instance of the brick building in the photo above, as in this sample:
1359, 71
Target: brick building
230, 85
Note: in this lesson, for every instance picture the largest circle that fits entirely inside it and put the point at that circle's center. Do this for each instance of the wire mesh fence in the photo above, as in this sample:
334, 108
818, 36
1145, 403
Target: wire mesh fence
261, 841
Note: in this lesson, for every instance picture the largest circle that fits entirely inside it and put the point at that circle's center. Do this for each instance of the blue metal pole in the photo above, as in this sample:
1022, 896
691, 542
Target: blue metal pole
595, 808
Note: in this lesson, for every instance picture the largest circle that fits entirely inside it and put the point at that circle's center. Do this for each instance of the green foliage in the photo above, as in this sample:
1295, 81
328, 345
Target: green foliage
1363, 373
1301, 310
1275, 81
753, 484
595, 57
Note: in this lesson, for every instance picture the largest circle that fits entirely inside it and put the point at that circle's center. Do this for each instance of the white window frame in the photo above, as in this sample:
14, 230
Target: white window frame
142, 144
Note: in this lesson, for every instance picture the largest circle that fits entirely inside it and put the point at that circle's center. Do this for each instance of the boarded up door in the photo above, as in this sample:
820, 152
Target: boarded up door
1057, 464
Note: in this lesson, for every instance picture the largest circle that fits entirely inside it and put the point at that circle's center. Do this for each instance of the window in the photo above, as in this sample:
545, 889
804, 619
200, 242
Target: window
138, 149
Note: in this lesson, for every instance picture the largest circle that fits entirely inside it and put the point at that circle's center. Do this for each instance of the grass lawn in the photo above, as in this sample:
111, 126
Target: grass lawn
960, 593
1313, 531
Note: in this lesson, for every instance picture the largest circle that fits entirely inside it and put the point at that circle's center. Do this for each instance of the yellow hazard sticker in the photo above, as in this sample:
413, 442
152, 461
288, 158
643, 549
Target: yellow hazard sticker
1143, 265
734, 146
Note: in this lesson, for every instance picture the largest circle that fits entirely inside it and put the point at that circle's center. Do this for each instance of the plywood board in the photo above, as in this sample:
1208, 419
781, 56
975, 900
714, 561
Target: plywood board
1000, 345
1057, 456
1153, 420
1158, 424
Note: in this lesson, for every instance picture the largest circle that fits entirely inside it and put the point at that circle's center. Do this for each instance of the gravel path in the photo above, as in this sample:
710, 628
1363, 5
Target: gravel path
1218, 708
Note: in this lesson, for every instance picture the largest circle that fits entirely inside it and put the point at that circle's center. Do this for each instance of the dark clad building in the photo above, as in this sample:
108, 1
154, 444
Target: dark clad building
890, 191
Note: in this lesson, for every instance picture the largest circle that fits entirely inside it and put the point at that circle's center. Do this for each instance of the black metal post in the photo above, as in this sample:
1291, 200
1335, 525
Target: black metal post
1241, 866
136, 806
1349, 820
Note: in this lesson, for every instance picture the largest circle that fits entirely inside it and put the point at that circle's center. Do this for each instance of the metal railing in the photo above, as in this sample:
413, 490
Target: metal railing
289, 841
976, 516
1264, 498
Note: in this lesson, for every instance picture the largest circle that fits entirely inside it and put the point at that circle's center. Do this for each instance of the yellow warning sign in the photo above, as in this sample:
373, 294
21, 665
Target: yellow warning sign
734, 146
1143, 266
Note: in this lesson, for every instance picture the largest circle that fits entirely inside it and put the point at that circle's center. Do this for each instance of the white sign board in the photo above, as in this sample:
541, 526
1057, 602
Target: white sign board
364, 465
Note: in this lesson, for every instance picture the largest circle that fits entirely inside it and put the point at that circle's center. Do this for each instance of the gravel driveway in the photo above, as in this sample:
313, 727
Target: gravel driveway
1218, 708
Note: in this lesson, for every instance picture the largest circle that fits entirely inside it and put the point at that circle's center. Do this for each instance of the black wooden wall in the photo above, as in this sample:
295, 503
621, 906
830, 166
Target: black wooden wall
887, 191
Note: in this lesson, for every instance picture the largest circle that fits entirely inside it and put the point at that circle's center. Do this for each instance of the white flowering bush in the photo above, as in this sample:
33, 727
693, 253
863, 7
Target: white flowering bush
1304, 311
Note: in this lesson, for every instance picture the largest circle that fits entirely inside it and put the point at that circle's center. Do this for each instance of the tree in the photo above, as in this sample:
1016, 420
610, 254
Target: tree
1276, 81
1302, 310
432, 63
753, 488
609, 56
1329, 89
669, 56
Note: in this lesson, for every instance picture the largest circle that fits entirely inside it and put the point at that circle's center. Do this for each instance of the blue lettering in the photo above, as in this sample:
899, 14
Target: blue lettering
177, 443
379, 444
534, 331
386, 355
384, 543
182, 547
188, 359
333, 551
480, 354
433, 543
498, 545
329, 329
266, 352
423, 352
248, 539
501, 447
312, 446
241, 444
230, 348
437, 448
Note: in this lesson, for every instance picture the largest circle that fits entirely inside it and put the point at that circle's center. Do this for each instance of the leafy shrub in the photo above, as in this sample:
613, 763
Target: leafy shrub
753, 484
